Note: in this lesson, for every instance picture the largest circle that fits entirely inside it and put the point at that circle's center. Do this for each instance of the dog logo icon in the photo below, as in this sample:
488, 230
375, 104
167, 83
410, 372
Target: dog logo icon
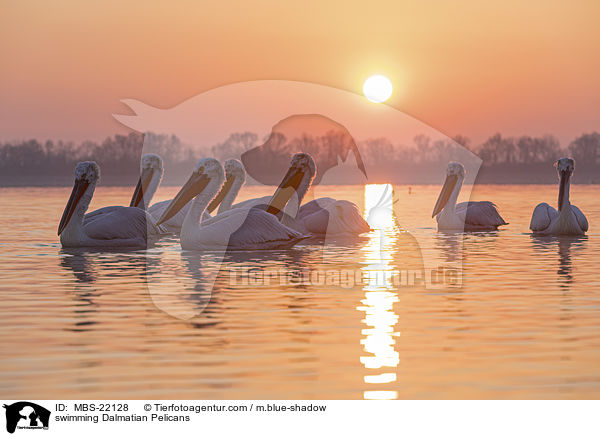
26, 415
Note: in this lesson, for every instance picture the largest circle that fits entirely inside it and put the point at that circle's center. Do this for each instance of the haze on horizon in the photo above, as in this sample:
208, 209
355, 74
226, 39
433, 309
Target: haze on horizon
462, 67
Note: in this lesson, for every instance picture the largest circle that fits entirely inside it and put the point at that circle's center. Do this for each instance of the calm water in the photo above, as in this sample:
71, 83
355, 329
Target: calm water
524, 323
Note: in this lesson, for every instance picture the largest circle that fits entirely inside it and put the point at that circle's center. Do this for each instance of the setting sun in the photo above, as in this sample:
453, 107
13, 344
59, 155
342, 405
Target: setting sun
377, 88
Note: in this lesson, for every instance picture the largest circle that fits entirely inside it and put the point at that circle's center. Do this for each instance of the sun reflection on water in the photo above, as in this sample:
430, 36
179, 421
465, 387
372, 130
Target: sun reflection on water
380, 296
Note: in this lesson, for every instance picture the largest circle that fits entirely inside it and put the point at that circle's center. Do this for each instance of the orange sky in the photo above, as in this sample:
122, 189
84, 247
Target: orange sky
461, 66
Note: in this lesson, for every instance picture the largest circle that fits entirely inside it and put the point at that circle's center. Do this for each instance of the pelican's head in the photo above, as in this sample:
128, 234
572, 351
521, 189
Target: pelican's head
234, 170
305, 163
207, 172
87, 171
86, 174
210, 168
151, 168
297, 180
455, 169
564, 167
151, 161
455, 172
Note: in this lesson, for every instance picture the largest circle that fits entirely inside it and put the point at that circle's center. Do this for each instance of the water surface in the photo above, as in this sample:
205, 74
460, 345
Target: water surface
524, 323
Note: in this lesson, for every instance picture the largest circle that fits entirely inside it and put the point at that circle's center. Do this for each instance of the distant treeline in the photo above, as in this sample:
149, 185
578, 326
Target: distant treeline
522, 159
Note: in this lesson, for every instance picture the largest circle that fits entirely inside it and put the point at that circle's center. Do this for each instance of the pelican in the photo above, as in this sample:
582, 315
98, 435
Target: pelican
151, 172
119, 227
235, 229
466, 216
235, 178
320, 216
568, 220
331, 216
296, 181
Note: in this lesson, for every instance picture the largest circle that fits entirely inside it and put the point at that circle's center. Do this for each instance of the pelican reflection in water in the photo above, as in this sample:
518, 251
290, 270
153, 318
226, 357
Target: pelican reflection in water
564, 246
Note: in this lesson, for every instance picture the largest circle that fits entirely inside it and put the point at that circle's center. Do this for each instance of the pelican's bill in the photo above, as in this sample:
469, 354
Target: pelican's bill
194, 186
141, 187
79, 189
445, 194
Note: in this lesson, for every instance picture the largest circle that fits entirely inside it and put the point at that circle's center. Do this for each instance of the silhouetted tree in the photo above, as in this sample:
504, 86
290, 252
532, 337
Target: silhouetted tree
498, 150
423, 147
465, 141
119, 156
586, 148
377, 150
235, 145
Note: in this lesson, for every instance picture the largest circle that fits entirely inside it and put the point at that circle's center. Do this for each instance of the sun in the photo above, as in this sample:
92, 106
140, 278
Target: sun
377, 88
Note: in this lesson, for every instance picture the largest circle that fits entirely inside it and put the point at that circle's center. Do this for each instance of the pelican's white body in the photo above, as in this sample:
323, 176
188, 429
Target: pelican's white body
546, 220
569, 220
113, 227
320, 216
333, 217
468, 215
149, 161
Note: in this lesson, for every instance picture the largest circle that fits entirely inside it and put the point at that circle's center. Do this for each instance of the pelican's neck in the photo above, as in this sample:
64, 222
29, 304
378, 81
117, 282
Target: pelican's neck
73, 231
152, 188
566, 201
232, 194
305, 183
293, 205
199, 205
310, 194
567, 222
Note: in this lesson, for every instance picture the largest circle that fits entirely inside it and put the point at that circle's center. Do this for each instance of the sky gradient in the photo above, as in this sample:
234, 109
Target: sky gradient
462, 67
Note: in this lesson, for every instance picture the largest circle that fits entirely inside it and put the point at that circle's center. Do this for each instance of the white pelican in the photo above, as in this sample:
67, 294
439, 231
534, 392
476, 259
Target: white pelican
157, 210
466, 216
334, 217
235, 176
235, 229
320, 216
120, 227
297, 180
151, 172
568, 220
